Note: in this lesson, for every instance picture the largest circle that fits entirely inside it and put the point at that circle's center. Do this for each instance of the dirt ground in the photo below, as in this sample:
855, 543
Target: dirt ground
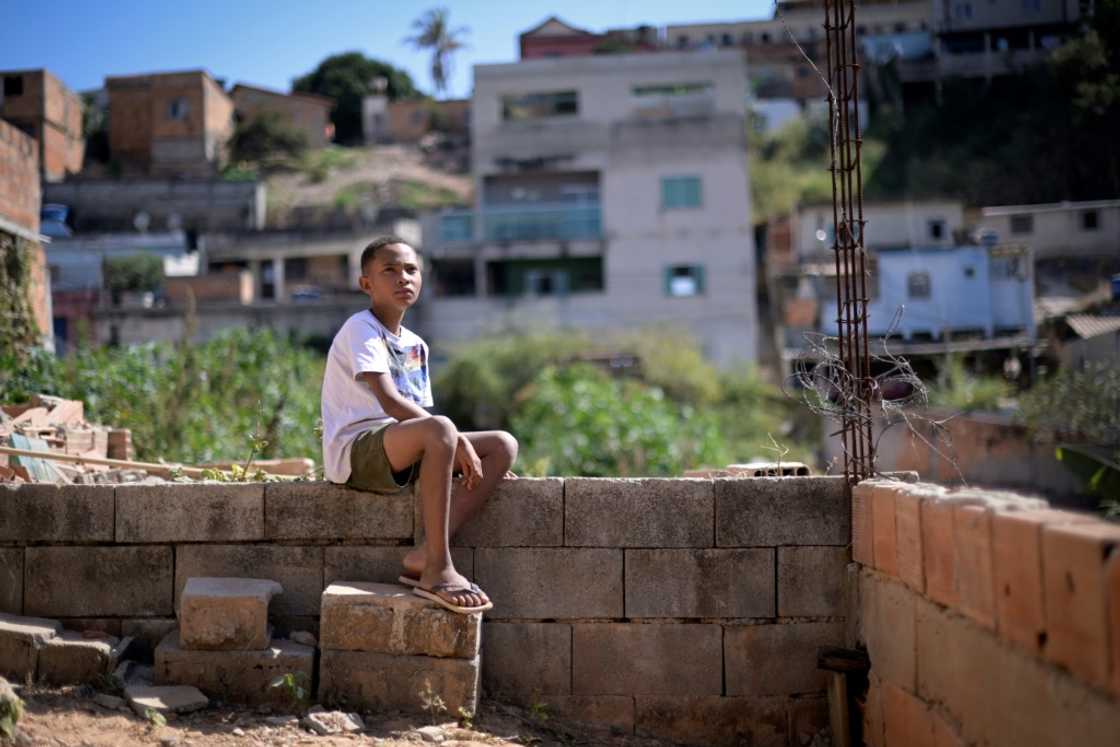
69, 717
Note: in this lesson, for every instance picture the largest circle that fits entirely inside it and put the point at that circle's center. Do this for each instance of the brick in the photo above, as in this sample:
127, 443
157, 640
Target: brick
712, 720
555, 583
613, 713
972, 538
21, 638
380, 565
883, 532
235, 676
1073, 561
938, 554
526, 512
700, 583
889, 628
873, 713
906, 719
323, 510
298, 569
71, 659
527, 661
390, 619
638, 512
812, 581
945, 734
908, 539
376, 682
637, 659
87, 581
223, 614
180, 512
56, 513
863, 546
1112, 580
777, 659
1017, 568
769, 511
11, 580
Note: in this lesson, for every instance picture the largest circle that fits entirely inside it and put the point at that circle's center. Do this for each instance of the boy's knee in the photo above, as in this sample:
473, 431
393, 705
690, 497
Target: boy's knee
442, 430
509, 445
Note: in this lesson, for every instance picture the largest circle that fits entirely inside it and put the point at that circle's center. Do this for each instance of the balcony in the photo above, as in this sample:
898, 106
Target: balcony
540, 222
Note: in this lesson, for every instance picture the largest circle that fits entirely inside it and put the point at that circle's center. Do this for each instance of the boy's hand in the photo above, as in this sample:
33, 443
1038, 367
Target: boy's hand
467, 462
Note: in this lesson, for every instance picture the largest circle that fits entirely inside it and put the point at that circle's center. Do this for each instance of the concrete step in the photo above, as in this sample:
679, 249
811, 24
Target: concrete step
72, 659
21, 639
226, 614
368, 681
390, 619
243, 676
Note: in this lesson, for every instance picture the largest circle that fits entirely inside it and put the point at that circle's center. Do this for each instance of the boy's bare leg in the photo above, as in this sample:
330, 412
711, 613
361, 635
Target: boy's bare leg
432, 441
497, 451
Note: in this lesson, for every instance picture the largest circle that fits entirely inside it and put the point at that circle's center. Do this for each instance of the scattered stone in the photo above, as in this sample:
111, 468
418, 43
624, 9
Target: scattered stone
132, 673
430, 733
238, 732
324, 722
112, 702
166, 699
71, 658
226, 614
282, 721
304, 638
20, 641
169, 742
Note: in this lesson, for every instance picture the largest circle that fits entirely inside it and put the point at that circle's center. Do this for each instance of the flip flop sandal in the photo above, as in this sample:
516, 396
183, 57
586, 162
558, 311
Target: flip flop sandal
432, 595
414, 582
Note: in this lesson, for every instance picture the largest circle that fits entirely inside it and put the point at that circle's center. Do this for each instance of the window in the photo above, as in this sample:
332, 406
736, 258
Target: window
1032, 5
900, 28
918, 285
745, 38
682, 41
540, 105
1090, 220
969, 271
454, 277
456, 227
937, 229
765, 37
726, 40
295, 268
682, 281
962, 11
1021, 224
13, 85
681, 192
56, 274
861, 30
178, 109
673, 89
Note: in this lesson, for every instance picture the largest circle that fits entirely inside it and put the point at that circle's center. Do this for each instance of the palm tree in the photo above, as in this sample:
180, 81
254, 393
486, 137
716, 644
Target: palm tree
434, 32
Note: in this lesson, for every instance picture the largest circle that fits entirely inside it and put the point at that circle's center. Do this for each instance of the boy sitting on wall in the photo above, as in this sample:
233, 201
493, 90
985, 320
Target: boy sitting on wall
378, 437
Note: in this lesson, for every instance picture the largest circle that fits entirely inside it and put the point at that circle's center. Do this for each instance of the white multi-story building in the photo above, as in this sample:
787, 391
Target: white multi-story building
1062, 230
611, 194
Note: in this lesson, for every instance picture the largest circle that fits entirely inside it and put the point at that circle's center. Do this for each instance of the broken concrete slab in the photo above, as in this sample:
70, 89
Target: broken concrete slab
325, 723
390, 619
20, 641
73, 659
165, 699
226, 614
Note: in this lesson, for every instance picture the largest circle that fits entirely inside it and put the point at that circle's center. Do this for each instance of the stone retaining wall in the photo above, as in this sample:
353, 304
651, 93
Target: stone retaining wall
989, 619
689, 609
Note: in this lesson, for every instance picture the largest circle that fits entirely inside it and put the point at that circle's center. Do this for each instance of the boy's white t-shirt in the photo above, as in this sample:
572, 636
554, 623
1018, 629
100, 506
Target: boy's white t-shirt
364, 345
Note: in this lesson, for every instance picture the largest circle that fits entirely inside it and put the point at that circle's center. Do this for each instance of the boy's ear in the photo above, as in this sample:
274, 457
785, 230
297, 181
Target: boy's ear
363, 283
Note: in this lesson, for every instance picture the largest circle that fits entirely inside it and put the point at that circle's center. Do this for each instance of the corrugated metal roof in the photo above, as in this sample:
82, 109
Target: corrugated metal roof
1091, 325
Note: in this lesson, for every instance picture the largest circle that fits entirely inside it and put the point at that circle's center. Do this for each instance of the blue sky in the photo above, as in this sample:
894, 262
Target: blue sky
270, 43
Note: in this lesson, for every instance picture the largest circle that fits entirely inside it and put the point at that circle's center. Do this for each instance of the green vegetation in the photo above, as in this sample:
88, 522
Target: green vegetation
318, 164
18, 330
416, 195
267, 141
960, 390
434, 33
135, 272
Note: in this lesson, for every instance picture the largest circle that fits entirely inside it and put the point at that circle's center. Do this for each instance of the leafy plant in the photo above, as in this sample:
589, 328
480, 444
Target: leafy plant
18, 330
431, 702
466, 718
267, 139
11, 710
961, 391
135, 272
156, 720
294, 685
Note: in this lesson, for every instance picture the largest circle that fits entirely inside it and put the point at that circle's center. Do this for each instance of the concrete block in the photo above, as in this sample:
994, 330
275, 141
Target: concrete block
1017, 568
72, 659
712, 720
11, 580
906, 719
883, 530
183, 512
700, 583
613, 713
38, 512
614, 512
812, 581
390, 619
298, 569
527, 661
21, 638
863, 544
555, 583
223, 614
165, 699
888, 628
375, 682
1074, 560
380, 565
132, 581
526, 512
93, 627
972, 536
649, 659
235, 676
808, 716
777, 659
769, 511
938, 554
323, 510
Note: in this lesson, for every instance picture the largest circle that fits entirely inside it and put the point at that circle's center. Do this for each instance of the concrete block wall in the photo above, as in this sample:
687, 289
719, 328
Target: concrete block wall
689, 609
990, 619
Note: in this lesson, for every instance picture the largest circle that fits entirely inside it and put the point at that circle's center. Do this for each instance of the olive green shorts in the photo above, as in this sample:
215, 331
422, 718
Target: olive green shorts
369, 465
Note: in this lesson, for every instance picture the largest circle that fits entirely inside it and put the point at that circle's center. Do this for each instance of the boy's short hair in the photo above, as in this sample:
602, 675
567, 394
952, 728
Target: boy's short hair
382, 241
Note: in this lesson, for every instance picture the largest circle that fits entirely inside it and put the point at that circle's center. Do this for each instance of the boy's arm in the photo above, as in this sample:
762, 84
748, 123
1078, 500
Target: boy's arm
392, 402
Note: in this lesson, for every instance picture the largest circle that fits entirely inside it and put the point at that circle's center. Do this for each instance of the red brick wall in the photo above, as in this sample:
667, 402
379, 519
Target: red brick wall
19, 178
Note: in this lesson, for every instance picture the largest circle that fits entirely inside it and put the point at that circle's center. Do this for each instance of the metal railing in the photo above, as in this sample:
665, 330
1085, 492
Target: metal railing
542, 221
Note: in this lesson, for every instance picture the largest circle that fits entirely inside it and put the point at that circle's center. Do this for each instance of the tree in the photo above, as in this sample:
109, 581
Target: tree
265, 139
348, 78
434, 32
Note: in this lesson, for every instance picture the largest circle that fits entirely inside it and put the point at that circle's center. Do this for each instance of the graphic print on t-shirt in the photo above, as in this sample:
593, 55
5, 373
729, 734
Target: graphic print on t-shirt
408, 365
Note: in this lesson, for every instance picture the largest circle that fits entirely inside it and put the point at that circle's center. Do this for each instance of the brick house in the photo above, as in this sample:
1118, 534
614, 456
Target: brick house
38, 103
169, 124
306, 112
412, 119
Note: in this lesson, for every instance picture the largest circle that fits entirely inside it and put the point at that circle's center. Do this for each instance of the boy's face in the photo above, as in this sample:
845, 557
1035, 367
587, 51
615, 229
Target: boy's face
392, 278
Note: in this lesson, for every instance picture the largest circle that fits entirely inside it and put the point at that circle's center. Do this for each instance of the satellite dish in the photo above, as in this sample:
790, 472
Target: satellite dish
141, 221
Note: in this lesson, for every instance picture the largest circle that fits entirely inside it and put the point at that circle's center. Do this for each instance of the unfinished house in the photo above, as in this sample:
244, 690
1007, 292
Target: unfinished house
307, 113
38, 103
169, 124
611, 193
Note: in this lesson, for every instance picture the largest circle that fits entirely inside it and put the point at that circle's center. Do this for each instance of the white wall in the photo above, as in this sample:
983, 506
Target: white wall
887, 225
1058, 229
